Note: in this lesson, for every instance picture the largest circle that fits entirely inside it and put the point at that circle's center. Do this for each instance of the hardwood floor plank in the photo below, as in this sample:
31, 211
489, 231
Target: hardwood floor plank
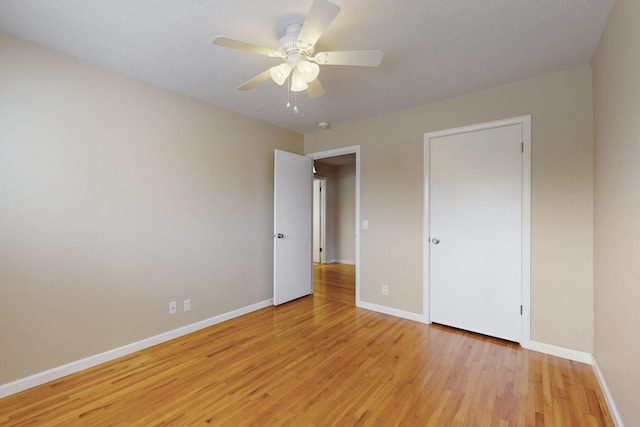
320, 361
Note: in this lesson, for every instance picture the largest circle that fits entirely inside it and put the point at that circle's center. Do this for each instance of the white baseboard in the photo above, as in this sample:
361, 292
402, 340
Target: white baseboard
88, 362
552, 350
565, 353
617, 419
392, 311
340, 261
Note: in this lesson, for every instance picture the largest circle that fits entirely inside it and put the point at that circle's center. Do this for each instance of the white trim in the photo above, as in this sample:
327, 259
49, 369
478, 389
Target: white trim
354, 149
526, 230
565, 353
426, 246
608, 397
341, 261
392, 311
323, 217
88, 362
525, 122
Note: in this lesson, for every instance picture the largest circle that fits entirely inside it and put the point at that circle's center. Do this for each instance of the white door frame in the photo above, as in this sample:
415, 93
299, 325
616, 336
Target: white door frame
355, 149
525, 121
322, 218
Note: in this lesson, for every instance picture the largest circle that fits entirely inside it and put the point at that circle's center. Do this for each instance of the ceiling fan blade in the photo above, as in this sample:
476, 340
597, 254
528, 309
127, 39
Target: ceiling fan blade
362, 58
320, 16
247, 47
315, 89
255, 81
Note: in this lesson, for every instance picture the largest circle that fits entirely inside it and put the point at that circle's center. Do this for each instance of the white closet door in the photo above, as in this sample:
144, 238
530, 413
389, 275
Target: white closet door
475, 228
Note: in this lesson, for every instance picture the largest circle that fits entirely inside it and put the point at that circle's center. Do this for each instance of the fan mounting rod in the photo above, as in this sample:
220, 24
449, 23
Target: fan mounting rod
289, 43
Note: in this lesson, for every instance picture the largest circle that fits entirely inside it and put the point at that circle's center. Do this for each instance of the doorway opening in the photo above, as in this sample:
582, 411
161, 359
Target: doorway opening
334, 282
337, 211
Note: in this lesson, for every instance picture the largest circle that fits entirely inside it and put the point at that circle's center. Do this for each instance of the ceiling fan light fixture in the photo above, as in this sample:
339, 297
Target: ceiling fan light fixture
280, 73
294, 58
297, 47
308, 70
298, 84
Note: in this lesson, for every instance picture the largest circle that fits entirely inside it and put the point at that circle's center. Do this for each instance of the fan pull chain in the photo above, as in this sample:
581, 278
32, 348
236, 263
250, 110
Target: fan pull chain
288, 103
295, 97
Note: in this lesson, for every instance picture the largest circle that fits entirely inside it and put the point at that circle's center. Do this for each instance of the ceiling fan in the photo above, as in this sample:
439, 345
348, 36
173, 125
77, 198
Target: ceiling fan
297, 47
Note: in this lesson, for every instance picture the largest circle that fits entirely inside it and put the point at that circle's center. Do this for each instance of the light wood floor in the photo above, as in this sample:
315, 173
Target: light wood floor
319, 361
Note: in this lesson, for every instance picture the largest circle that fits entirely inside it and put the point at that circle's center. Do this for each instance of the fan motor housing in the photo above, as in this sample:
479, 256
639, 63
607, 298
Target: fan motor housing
289, 43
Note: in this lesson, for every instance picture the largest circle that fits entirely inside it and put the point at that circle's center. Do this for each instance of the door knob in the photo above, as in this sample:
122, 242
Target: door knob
279, 236
435, 241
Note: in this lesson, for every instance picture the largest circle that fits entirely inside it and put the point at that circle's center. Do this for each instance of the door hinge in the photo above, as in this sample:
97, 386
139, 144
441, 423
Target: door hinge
520, 310
522, 147
320, 249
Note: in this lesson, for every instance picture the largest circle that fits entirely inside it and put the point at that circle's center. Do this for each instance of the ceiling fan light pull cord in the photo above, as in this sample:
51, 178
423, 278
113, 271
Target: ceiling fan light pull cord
295, 103
288, 90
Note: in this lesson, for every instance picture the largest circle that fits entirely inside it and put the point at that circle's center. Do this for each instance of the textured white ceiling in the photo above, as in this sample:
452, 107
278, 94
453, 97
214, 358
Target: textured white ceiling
433, 49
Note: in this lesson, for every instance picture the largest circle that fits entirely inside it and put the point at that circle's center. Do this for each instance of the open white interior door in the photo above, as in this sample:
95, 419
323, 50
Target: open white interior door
292, 230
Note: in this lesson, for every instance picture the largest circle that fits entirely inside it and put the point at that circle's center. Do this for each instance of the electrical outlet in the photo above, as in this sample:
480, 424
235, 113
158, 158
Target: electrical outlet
173, 307
385, 289
187, 305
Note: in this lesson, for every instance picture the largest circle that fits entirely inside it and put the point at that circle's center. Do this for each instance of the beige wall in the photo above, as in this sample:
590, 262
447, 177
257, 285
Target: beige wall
346, 183
116, 197
562, 197
616, 83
